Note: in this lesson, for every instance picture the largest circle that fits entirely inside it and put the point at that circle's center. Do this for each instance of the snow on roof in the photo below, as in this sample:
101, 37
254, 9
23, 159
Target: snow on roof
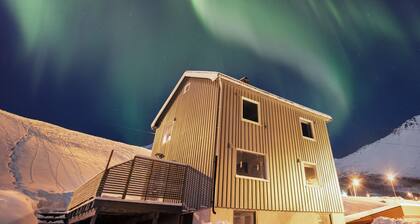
358, 207
212, 75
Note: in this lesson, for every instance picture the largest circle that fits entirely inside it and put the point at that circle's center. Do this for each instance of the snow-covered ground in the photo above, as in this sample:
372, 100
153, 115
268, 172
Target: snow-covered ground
16, 208
383, 220
399, 152
42, 161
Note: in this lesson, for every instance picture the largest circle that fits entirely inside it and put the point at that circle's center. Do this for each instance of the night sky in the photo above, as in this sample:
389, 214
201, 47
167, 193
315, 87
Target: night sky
105, 67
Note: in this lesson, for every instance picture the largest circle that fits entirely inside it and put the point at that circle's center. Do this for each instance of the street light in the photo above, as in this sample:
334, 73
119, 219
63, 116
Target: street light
409, 195
355, 183
391, 178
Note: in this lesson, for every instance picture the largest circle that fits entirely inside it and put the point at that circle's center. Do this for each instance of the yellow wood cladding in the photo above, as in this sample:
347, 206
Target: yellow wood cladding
279, 137
193, 115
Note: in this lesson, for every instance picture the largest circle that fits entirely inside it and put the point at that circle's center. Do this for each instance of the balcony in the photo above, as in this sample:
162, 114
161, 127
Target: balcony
142, 185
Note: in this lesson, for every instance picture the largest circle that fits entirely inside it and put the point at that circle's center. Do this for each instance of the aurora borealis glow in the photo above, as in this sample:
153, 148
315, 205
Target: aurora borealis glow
105, 67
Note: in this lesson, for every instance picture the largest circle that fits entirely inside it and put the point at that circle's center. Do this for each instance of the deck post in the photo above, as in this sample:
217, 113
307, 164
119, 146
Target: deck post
183, 201
148, 180
104, 176
128, 178
155, 218
93, 219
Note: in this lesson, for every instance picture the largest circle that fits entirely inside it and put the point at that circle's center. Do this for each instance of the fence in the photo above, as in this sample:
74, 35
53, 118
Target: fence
149, 179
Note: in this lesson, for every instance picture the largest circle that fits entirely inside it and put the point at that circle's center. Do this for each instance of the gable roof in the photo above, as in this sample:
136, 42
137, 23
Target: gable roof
212, 75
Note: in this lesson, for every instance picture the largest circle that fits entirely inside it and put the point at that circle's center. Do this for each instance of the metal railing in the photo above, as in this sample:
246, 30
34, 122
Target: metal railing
149, 179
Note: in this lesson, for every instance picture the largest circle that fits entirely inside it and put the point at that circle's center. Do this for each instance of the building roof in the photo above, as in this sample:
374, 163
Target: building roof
357, 208
212, 75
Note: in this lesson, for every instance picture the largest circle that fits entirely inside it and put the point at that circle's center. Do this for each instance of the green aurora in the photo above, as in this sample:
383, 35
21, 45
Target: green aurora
143, 47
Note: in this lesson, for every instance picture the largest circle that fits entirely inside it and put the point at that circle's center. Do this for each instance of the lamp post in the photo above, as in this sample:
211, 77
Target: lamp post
355, 183
391, 178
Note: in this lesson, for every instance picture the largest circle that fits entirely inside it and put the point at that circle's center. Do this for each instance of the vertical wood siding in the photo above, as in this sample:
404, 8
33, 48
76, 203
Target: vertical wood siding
193, 116
279, 138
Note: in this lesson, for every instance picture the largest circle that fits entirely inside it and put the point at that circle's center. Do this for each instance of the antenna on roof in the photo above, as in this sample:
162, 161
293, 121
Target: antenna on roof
244, 79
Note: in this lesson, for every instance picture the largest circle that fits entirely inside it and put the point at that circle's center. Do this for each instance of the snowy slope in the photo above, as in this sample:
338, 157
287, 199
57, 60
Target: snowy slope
398, 152
42, 161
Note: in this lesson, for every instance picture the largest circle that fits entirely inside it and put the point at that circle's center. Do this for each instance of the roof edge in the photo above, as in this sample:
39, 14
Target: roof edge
238, 82
212, 75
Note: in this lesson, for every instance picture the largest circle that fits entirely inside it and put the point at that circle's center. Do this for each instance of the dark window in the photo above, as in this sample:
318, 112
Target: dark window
250, 110
307, 129
310, 174
250, 164
243, 217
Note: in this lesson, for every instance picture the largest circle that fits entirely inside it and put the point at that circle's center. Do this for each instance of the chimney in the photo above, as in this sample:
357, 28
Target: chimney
244, 79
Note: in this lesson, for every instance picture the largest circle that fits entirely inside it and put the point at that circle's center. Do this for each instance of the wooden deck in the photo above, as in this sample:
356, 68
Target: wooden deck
141, 186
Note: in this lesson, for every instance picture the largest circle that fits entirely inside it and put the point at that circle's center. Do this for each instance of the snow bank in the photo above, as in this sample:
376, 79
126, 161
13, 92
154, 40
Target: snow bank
45, 163
16, 208
383, 220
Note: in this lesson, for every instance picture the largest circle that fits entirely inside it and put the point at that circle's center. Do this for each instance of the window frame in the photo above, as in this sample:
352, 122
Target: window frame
267, 179
311, 124
305, 181
254, 214
243, 98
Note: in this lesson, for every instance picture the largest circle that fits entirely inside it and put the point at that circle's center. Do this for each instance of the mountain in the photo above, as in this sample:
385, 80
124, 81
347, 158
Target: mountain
42, 163
398, 152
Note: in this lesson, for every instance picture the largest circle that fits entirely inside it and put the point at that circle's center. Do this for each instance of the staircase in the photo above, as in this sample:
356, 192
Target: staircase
51, 217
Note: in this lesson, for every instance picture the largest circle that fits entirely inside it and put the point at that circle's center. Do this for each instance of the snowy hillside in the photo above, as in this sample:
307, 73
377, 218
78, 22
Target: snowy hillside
398, 152
42, 161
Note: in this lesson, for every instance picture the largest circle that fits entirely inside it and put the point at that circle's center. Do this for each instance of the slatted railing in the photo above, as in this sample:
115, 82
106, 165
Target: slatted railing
87, 191
149, 179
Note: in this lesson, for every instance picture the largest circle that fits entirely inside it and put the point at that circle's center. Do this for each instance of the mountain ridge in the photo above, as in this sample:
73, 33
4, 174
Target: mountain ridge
45, 162
398, 153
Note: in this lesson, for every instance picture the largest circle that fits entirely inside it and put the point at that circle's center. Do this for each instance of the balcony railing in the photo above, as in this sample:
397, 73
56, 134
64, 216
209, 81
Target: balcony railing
149, 179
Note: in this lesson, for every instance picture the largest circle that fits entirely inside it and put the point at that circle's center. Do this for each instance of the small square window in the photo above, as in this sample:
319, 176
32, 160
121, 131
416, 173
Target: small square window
250, 110
244, 217
167, 134
250, 164
307, 128
311, 176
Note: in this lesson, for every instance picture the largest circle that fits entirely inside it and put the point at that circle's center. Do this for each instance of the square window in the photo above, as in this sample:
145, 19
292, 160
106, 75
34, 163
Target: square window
250, 164
307, 128
244, 217
250, 110
311, 176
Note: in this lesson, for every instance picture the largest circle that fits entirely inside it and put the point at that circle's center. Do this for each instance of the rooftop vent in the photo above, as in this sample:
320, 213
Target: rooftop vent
244, 79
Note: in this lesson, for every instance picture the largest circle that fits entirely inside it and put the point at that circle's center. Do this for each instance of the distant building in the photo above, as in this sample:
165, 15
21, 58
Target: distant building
268, 158
364, 210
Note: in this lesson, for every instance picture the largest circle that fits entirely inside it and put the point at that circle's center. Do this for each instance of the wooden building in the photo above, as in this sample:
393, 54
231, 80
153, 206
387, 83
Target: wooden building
224, 152
270, 158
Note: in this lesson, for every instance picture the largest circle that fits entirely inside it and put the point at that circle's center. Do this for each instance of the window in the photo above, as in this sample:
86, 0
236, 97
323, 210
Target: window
250, 164
186, 88
167, 134
307, 128
311, 176
243, 217
250, 110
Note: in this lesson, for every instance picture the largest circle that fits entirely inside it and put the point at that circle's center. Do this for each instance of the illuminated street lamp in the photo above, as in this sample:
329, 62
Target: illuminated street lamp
355, 183
409, 195
391, 178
